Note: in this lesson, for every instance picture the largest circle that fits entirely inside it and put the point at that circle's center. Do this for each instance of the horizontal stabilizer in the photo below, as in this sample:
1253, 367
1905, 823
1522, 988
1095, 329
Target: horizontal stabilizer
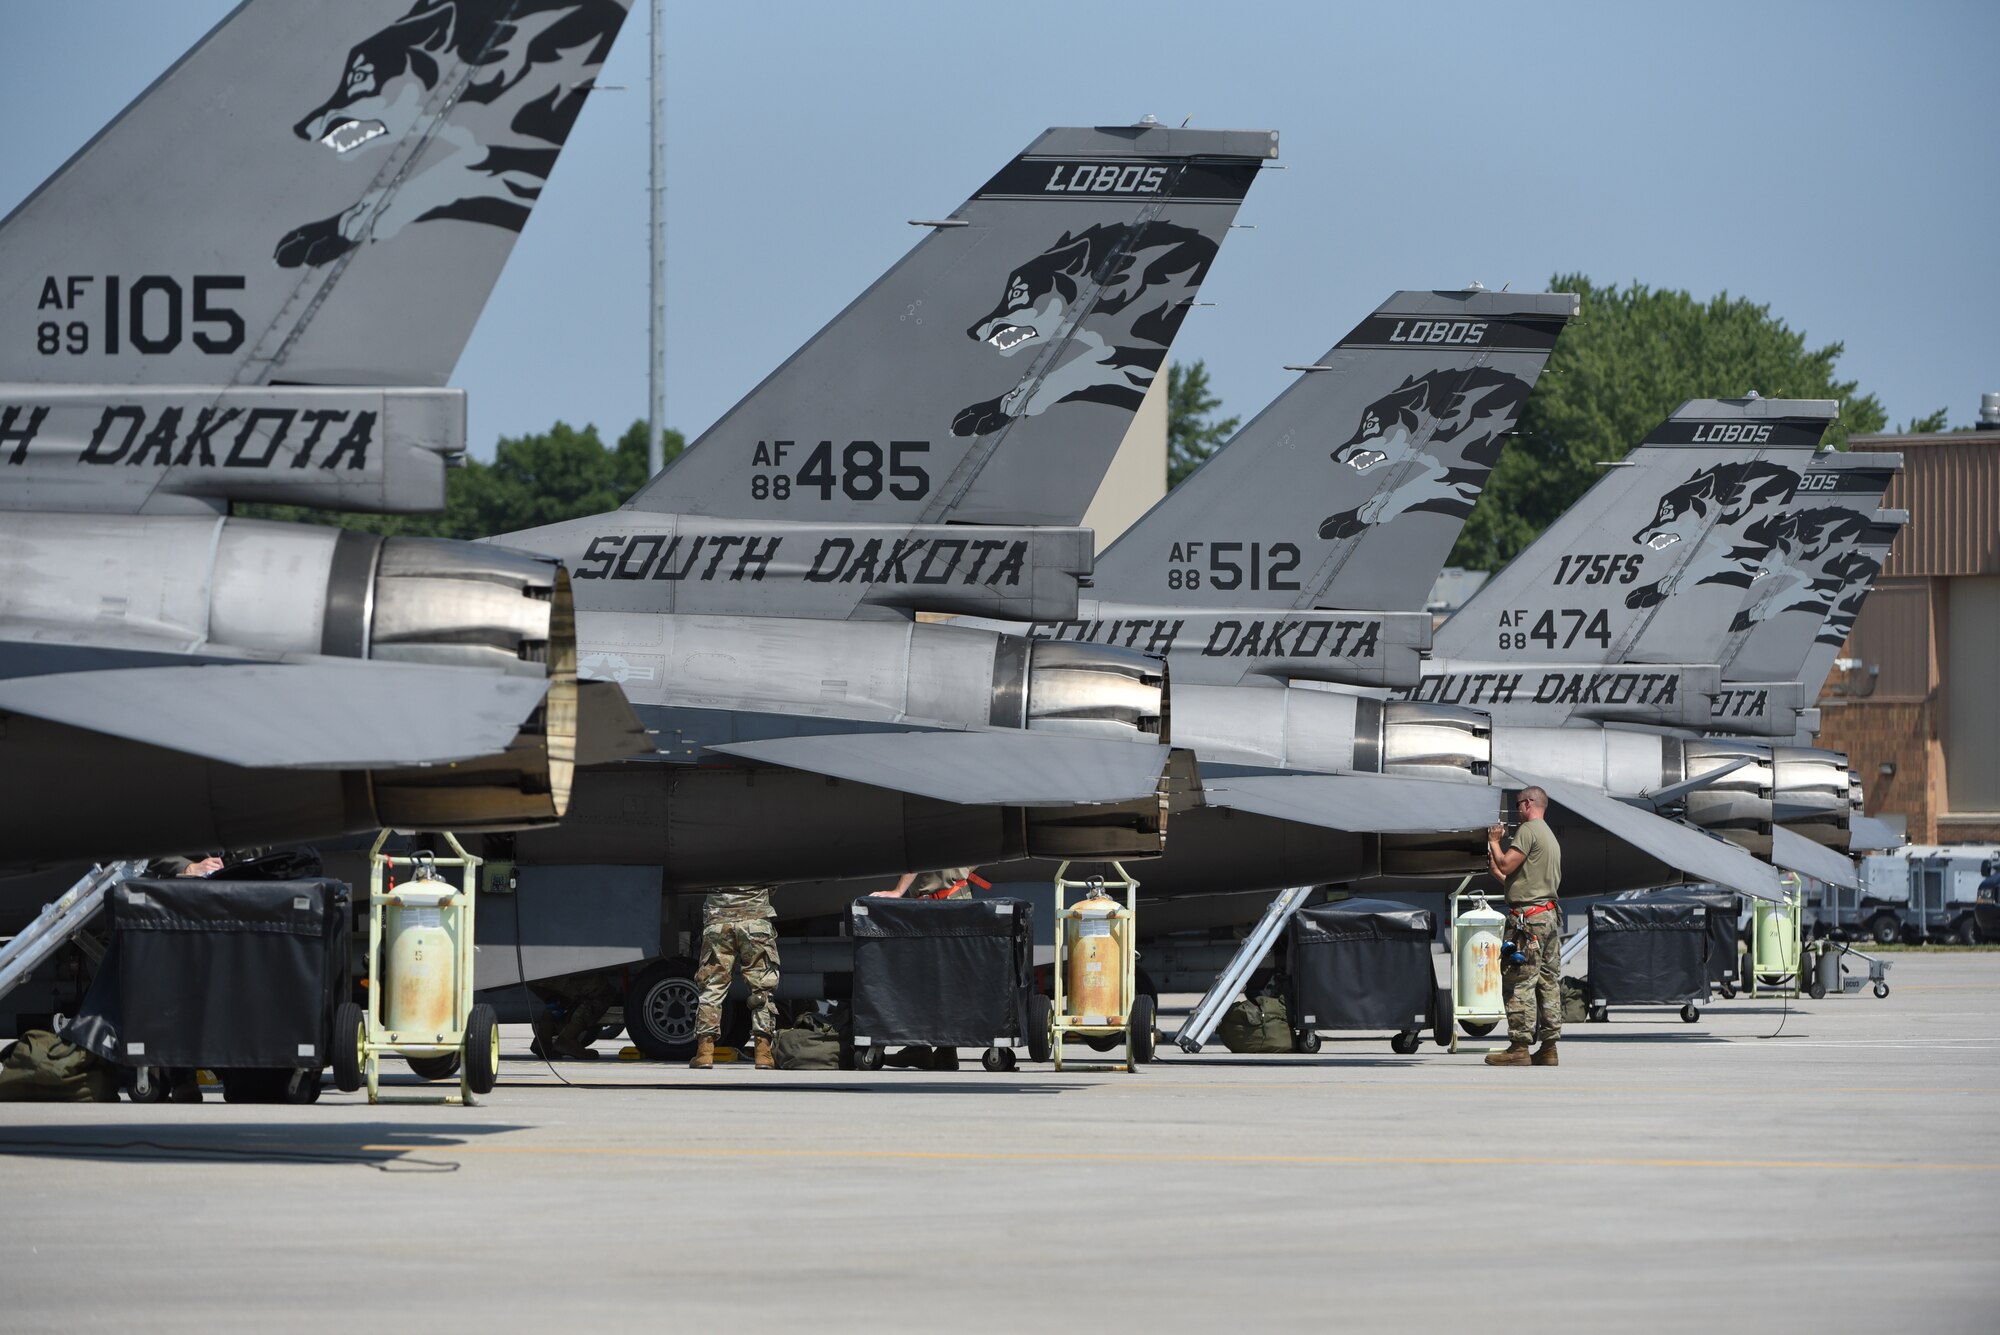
607, 728
344, 715
975, 768
1870, 835
1797, 853
1364, 803
1700, 855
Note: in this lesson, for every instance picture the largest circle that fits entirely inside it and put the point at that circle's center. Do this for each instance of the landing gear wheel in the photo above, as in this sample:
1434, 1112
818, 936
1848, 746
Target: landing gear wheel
348, 1022
444, 1066
1406, 1042
1690, 1013
1881, 989
869, 1058
1478, 1028
482, 1049
1305, 1040
660, 1010
1039, 1016
998, 1059
1145, 1037
1599, 1014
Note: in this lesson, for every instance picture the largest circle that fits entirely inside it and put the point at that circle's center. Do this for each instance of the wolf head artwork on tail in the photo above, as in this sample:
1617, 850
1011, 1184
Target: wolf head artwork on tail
1715, 499
1157, 265
1799, 544
488, 167
1482, 402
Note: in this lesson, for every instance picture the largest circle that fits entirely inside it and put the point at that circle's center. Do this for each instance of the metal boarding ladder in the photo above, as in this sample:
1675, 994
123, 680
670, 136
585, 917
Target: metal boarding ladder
60, 921
1200, 1025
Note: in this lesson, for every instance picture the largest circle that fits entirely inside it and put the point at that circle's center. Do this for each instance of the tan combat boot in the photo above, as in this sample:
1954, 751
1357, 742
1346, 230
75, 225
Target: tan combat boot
704, 1055
765, 1060
1546, 1054
1515, 1055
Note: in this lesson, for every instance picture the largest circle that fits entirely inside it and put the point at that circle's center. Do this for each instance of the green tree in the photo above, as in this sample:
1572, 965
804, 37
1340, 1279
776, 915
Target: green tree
1925, 425
1634, 355
562, 473
1191, 435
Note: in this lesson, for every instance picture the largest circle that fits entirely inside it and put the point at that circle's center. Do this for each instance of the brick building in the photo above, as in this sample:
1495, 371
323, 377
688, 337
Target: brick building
1916, 705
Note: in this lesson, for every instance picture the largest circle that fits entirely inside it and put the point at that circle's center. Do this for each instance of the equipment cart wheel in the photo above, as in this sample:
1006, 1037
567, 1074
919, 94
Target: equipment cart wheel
1477, 1028
442, 1066
1144, 1035
482, 1049
348, 1034
869, 1058
1599, 1013
1405, 1043
998, 1059
1816, 990
660, 1010
149, 1085
1040, 1014
1728, 992
1690, 1013
1881, 989
1305, 1040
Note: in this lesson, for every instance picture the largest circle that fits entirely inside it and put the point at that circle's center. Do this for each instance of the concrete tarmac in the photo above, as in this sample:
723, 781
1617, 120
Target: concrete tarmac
1805, 1166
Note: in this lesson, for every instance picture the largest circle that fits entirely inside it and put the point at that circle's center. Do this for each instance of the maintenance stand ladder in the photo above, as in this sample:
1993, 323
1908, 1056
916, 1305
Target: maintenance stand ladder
1200, 1026
61, 921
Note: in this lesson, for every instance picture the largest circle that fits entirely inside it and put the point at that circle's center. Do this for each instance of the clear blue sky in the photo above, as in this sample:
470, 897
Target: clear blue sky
1837, 161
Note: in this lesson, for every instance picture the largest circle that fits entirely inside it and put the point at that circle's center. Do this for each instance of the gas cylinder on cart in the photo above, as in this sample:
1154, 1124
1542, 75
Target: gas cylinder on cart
1477, 958
422, 964
1775, 937
1094, 945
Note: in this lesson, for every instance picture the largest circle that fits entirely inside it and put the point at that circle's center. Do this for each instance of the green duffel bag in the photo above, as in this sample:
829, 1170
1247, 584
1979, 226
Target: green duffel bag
1576, 1001
813, 1044
1262, 1025
41, 1068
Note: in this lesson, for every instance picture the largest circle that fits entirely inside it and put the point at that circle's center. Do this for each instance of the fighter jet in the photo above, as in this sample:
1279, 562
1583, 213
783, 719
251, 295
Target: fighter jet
252, 285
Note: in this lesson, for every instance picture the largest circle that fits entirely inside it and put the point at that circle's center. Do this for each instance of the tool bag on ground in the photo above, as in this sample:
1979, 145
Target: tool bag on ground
1647, 952
41, 1068
1362, 964
1576, 1000
1261, 1024
219, 974
813, 1044
946, 973
1725, 910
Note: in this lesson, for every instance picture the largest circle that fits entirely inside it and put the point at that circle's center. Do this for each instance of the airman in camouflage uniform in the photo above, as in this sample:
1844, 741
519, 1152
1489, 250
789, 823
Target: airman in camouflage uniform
1530, 866
736, 933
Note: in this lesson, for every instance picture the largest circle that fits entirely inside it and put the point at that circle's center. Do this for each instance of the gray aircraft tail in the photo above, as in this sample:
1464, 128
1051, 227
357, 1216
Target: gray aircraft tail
315, 194
1349, 490
1811, 565
1857, 572
1651, 564
1031, 319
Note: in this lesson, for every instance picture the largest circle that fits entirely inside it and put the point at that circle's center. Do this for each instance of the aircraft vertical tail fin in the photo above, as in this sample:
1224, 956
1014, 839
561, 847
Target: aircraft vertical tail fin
314, 194
1652, 562
1350, 488
1030, 321
1811, 562
1857, 572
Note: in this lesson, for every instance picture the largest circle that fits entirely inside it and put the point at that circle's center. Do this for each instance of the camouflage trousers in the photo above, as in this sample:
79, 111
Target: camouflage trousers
726, 947
1533, 988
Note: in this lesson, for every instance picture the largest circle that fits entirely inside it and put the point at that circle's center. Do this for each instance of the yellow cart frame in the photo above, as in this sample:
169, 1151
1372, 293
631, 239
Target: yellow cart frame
1061, 1023
455, 908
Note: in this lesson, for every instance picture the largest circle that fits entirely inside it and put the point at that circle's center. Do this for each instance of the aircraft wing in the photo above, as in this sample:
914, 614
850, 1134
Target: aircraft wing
359, 715
1699, 854
1802, 855
1369, 803
1026, 769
